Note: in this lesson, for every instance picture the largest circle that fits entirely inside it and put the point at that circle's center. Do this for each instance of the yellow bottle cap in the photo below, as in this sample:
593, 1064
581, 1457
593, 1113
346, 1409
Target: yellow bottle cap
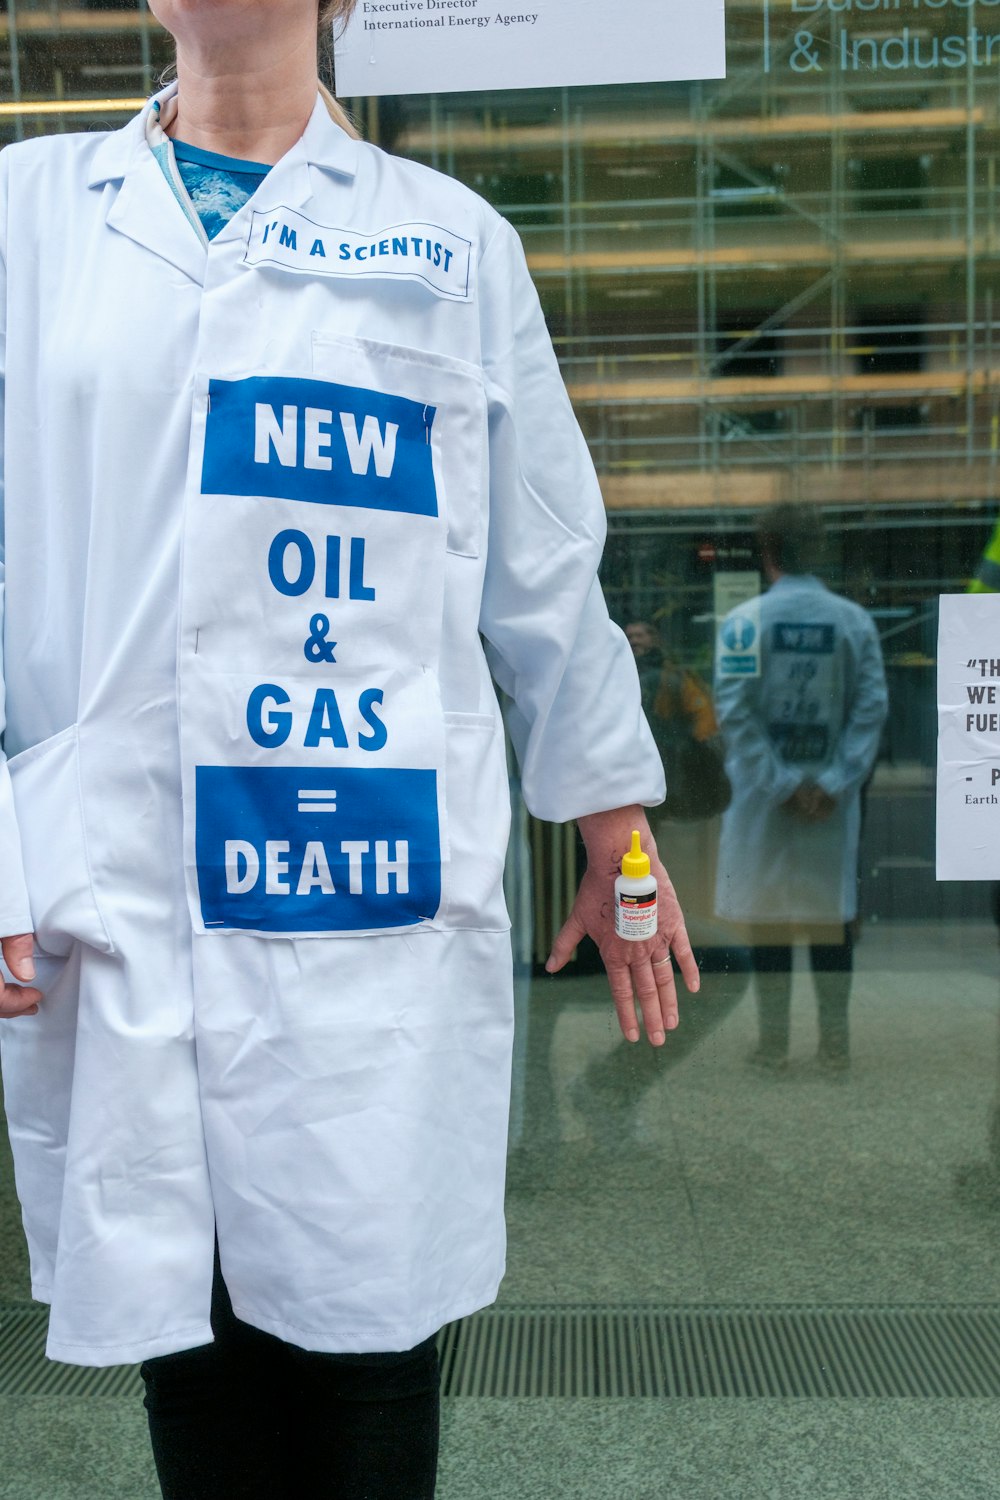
635, 864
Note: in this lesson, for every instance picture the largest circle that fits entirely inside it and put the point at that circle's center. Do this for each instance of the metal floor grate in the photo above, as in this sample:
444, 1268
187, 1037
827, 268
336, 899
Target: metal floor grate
725, 1351
691, 1351
24, 1370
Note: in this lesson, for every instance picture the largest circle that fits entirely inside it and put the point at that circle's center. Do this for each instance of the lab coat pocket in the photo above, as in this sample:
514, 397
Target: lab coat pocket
49, 807
478, 822
452, 394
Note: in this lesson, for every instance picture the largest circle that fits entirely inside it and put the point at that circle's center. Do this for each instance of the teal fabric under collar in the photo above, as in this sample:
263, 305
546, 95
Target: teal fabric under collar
218, 186
208, 187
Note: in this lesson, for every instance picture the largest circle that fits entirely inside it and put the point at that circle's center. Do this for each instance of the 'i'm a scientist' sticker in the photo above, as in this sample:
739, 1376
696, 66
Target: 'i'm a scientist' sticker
438, 257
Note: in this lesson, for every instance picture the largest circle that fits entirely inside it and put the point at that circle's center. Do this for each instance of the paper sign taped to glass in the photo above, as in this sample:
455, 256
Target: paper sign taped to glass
448, 46
968, 779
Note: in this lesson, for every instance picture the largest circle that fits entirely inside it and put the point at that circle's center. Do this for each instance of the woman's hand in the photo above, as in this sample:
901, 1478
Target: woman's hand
15, 999
640, 974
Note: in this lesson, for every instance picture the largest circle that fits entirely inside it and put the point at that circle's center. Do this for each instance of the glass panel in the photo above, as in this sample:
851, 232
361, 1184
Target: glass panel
775, 289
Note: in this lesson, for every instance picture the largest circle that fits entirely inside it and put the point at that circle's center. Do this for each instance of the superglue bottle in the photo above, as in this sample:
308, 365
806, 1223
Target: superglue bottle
635, 895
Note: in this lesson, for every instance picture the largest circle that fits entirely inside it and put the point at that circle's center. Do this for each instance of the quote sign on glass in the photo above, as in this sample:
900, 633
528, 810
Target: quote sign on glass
968, 772
447, 46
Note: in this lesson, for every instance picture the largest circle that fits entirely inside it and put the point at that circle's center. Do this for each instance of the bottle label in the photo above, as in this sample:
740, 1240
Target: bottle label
635, 916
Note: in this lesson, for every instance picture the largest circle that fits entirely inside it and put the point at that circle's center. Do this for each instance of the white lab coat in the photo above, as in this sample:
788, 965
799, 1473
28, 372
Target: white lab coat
814, 712
334, 1103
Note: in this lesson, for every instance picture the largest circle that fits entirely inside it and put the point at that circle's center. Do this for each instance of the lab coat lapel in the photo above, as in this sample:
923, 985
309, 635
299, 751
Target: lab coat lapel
146, 211
323, 153
141, 205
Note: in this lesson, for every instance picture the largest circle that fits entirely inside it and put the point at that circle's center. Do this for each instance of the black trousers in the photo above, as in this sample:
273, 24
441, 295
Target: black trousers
250, 1417
832, 967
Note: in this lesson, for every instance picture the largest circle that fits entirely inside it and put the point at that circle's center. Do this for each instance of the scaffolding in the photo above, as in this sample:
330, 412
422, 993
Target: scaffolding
790, 295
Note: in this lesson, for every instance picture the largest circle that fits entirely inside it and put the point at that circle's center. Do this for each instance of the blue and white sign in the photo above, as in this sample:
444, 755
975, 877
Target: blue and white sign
804, 639
800, 689
738, 644
739, 634
317, 850
312, 728
319, 442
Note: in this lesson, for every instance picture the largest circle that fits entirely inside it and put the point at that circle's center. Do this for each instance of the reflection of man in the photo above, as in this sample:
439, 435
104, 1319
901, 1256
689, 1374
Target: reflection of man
801, 740
644, 639
647, 648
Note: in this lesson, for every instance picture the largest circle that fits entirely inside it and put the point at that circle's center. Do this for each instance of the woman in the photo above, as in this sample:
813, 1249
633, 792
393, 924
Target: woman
269, 474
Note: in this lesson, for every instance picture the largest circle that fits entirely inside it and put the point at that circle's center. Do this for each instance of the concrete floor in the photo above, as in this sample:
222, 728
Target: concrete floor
687, 1177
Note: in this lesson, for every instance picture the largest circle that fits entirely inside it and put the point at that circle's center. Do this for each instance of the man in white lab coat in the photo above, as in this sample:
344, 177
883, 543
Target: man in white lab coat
801, 699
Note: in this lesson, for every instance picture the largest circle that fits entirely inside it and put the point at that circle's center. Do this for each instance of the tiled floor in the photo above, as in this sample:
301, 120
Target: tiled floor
689, 1178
